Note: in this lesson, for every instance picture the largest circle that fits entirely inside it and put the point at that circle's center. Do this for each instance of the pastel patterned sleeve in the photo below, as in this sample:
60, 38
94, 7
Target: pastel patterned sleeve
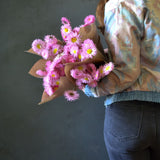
123, 34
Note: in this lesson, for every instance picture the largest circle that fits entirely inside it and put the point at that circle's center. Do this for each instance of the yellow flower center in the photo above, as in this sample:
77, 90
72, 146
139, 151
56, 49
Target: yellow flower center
74, 51
57, 83
55, 50
74, 39
86, 79
71, 94
101, 71
89, 51
55, 88
107, 68
80, 68
39, 46
66, 30
53, 75
79, 56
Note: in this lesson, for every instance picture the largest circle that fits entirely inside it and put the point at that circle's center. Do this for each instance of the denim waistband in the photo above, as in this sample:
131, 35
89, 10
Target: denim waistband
135, 104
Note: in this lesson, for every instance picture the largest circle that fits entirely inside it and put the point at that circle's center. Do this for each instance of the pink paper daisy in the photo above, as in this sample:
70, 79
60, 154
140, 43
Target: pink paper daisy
54, 75
71, 95
89, 48
50, 39
46, 54
76, 74
56, 49
64, 20
108, 68
86, 79
38, 46
97, 75
89, 20
73, 39
65, 31
74, 50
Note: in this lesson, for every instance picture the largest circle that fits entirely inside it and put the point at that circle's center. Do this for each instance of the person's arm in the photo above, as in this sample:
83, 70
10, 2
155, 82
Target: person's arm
124, 31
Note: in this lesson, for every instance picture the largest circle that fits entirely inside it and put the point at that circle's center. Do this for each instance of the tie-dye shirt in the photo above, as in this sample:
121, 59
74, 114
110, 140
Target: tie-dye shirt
132, 33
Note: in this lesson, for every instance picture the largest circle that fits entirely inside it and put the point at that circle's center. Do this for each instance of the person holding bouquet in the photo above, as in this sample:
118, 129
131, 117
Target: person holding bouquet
132, 89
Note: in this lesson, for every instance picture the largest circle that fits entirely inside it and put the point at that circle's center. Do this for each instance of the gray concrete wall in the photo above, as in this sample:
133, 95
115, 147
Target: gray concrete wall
58, 130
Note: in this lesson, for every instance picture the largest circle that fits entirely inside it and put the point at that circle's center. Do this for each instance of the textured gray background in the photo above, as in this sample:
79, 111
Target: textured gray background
58, 130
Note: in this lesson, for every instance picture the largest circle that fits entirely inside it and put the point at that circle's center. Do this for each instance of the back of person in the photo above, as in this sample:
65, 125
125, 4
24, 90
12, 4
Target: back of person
132, 89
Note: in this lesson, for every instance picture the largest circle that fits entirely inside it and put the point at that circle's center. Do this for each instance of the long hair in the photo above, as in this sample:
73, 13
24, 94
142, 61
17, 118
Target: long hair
100, 14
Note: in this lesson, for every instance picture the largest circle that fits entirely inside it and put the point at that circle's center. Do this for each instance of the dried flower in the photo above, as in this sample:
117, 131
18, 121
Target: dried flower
89, 49
97, 75
51, 39
74, 50
86, 79
71, 95
38, 46
108, 68
73, 39
89, 20
64, 20
76, 74
66, 29
46, 54
55, 49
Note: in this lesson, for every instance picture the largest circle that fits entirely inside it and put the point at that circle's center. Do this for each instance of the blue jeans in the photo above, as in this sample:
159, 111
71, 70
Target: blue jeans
132, 130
